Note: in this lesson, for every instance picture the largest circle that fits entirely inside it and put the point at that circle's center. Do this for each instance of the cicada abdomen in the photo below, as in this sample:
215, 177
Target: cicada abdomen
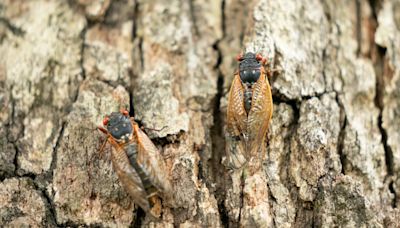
137, 162
249, 111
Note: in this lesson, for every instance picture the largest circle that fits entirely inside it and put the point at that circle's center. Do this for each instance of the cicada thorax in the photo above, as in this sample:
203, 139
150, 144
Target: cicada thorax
249, 71
138, 163
249, 111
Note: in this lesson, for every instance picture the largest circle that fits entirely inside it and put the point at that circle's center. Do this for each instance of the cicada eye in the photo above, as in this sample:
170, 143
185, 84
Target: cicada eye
264, 60
239, 57
259, 57
125, 112
105, 120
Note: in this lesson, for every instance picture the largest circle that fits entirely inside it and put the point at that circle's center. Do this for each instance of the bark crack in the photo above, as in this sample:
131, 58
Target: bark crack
133, 74
377, 55
389, 160
140, 215
54, 154
216, 131
135, 36
51, 212
341, 137
217, 137
282, 98
242, 183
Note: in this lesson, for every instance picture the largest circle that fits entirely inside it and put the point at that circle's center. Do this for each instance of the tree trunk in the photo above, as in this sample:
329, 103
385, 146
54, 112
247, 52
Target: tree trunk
333, 151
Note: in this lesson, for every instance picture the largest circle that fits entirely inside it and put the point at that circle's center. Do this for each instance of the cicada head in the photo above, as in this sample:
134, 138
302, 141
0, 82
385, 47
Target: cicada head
250, 67
119, 126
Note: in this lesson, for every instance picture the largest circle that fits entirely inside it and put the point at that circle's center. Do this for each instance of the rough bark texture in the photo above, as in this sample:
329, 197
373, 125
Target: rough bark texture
333, 153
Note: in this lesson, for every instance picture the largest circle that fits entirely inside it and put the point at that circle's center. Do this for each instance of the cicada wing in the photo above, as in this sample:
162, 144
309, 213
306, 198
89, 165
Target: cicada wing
236, 126
129, 178
150, 159
260, 115
236, 114
235, 153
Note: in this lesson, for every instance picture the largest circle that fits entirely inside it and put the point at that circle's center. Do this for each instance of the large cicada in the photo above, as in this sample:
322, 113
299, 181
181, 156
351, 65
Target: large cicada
249, 111
137, 162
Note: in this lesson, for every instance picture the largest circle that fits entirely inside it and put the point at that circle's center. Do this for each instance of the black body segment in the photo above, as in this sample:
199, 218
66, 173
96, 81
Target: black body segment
248, 96
249, 68
132, 152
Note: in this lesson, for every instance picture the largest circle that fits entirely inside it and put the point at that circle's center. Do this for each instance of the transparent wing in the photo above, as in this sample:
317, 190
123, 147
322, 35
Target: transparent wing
259, 116
235, 153
236, 114
151, 161
236, 126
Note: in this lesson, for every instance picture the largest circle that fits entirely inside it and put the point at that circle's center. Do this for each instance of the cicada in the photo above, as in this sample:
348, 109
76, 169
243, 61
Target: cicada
137, 162
249, 111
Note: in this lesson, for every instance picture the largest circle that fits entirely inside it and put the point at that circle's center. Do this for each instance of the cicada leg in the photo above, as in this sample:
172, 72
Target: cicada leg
269, 70
101, 151
274, 70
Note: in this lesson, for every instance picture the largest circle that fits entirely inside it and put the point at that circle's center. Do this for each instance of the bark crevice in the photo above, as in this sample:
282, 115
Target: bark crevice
379, 71
378, 56
341, 138
217, 129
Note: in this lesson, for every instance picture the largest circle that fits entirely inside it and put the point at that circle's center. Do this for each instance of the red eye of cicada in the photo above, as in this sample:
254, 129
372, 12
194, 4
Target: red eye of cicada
239, 57
105, 121
125, 112
259, 57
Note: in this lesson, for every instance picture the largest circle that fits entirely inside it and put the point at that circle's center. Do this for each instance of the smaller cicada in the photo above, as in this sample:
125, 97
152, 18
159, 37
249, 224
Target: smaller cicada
137, 162
249, 111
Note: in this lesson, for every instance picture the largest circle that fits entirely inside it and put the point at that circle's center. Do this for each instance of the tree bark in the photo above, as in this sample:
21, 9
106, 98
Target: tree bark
333, 151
